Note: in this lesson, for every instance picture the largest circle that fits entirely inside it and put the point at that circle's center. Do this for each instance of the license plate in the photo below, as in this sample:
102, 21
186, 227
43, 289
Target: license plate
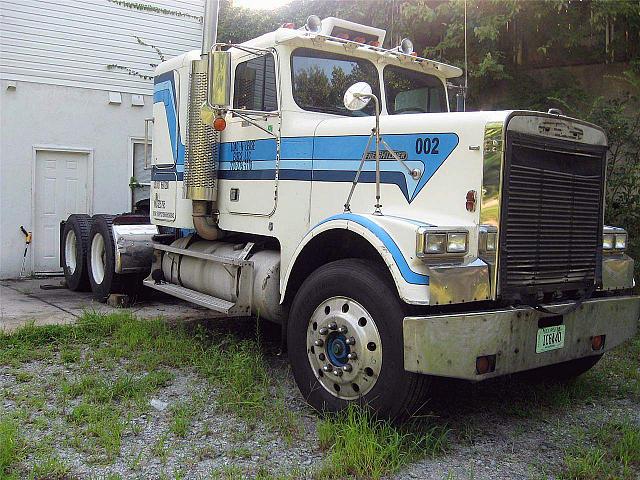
550, 338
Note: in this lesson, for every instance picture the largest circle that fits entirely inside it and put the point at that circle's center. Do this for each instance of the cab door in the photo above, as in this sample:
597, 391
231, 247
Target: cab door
248, 152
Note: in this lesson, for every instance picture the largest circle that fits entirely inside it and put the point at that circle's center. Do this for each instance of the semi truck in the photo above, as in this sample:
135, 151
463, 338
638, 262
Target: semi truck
314, 178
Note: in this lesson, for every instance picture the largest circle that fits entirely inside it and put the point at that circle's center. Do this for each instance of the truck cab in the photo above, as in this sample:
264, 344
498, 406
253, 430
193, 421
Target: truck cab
393, 241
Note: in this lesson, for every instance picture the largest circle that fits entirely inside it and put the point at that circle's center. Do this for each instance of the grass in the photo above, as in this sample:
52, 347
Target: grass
361, 446
10, 446
113, 364
119, 362
605, 452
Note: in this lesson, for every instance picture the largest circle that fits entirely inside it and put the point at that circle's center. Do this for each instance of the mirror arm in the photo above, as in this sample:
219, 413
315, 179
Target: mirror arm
256, 124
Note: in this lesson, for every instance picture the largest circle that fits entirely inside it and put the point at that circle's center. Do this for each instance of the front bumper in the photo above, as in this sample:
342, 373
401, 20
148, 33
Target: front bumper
448, 345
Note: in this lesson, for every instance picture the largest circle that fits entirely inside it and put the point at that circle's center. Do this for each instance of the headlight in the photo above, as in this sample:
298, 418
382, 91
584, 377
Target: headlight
492, 241
435, 243
614, 239
621, 241
441, 243
456, 242
608, 240
487, 239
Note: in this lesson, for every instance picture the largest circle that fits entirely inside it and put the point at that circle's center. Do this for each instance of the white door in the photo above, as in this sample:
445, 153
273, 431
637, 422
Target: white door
61, 188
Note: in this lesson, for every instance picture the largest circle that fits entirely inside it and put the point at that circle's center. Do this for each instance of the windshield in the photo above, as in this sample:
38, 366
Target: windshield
320, 80
409, 91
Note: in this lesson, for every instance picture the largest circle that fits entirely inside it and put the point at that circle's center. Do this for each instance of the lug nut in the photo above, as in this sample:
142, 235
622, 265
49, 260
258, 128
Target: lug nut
350, 341
347, 367
342, 329
324, 331
337, 373
333, 325
319, 342
352, 356
326, 367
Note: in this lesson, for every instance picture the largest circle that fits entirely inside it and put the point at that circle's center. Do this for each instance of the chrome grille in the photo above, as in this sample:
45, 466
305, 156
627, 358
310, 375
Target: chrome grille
551, 225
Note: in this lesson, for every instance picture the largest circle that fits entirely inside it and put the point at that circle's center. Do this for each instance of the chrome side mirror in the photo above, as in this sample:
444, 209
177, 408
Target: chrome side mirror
219, 84
357, 96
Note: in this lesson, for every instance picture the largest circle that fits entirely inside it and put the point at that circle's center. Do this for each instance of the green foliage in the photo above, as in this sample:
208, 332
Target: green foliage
10, 446
608, 451
361, 446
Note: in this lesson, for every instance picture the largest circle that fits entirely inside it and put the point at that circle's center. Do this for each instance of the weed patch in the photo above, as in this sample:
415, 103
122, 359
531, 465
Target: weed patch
361, 446
609, 451
10, 446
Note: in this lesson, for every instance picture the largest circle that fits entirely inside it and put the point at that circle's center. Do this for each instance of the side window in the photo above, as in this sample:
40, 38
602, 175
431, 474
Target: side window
141, 171
409, 91
255, 85
320, 79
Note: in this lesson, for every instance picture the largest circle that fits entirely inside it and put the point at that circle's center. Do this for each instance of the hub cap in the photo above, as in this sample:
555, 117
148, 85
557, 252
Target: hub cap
70, 251
344, 348
98, 258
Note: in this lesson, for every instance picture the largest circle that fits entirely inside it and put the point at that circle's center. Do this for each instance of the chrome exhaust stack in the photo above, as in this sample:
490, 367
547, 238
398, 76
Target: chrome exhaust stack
202, 151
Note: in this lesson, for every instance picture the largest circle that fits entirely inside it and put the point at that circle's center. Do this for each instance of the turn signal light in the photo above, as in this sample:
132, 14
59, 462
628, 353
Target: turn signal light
471, 201
485, 364
597, 342
219, 124
289, 25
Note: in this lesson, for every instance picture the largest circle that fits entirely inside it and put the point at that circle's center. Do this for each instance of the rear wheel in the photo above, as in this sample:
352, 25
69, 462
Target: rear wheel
75, 239
345, 341
101, 259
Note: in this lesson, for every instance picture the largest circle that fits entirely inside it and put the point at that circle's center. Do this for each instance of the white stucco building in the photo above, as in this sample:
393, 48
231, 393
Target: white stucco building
72, 108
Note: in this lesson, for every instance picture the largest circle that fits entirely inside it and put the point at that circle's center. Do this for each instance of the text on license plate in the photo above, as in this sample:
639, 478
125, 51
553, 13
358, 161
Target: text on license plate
550, 338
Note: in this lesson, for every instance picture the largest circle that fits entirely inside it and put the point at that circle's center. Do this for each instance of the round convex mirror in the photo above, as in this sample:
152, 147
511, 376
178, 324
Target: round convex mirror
356, 97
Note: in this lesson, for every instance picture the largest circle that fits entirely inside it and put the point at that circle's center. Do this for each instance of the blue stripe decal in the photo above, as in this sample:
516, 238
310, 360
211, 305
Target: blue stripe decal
306, 158
164, 92
409, 275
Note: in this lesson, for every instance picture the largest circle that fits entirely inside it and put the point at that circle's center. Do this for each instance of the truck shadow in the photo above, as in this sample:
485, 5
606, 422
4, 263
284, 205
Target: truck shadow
514, 396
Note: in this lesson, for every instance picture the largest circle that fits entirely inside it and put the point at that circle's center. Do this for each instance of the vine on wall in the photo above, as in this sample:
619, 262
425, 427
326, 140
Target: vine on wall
145, 7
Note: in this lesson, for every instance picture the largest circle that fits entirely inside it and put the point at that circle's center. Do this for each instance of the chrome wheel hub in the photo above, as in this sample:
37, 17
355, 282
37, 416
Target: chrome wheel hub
344, 348
70, 251
98, 258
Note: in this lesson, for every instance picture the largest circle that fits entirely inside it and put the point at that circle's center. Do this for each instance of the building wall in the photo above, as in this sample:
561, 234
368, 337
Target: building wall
55, 88
91, 44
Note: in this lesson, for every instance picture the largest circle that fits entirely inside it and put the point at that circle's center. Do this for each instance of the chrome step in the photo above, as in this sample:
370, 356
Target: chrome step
202, 299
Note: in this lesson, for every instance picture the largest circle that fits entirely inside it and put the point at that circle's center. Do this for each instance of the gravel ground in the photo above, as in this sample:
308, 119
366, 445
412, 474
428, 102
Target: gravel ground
494, 433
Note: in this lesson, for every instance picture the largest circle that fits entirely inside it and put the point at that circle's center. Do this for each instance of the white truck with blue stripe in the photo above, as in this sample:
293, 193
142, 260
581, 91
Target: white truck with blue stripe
316, 179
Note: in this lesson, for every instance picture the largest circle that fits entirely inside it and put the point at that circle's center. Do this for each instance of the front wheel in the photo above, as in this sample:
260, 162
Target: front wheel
345, 341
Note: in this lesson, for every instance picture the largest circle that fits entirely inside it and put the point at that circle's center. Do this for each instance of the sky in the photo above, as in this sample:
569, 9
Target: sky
260, 4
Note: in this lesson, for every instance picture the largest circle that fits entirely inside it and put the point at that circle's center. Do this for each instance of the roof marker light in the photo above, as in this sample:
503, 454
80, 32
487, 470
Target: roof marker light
406, 46
313, 24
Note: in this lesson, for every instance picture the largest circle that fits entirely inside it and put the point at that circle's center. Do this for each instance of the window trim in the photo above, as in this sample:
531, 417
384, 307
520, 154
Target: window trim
330, 55
275, 77
388, 98
131, 161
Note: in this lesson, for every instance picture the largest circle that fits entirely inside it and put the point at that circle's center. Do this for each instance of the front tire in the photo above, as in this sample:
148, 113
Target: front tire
345, 341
